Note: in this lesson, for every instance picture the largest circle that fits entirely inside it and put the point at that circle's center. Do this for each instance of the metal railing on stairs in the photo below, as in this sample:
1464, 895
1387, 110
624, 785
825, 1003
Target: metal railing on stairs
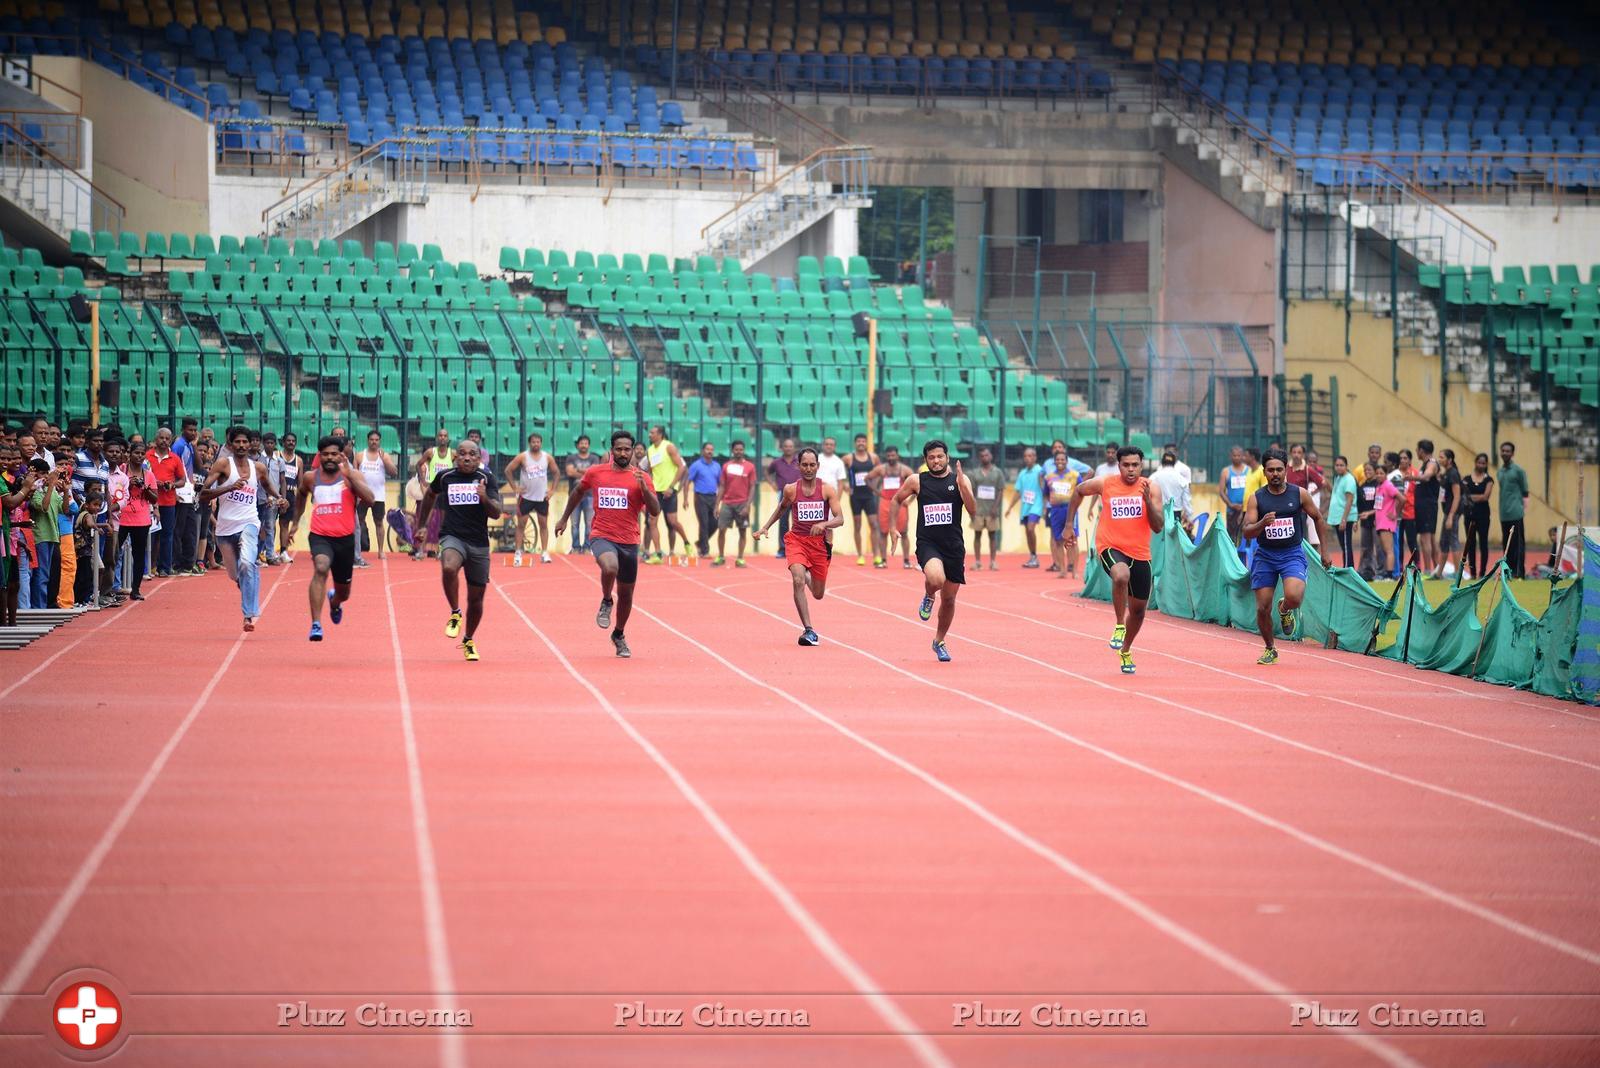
749, 107
392, 171
829, 178
42, 183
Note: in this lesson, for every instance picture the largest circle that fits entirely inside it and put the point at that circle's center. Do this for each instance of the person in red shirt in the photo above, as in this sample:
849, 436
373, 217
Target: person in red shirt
733, 500
333, 489
815, 505
167, 470
621, 493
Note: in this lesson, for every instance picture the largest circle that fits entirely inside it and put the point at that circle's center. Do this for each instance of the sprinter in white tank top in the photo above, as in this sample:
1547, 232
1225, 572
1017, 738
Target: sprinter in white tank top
532, 471
237, 479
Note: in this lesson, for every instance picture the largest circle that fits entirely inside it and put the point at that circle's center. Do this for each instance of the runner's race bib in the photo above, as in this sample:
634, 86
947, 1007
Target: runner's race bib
891, 482
1237, 481
735, 470
458, 493
1028, 496
1279, 530
616, 499
985, 493
327, 500
1369, 492
937, 515
243, 495
861, 478
1127, 508
811, 511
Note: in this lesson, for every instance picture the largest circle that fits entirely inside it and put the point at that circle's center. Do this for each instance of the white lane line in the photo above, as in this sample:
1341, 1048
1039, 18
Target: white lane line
24, 965
453, 1051
109, 614
926, 1049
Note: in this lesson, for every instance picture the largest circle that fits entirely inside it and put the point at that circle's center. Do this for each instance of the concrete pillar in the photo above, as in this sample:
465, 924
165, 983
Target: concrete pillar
962, 291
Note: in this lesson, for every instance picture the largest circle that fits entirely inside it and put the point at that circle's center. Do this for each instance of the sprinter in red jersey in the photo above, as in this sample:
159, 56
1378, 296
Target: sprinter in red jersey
806, 549
332, 489
621, 492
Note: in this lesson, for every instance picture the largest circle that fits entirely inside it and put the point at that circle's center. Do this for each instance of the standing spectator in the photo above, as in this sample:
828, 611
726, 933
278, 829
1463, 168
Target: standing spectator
117, 490
377, 468
1174, 485
292, 466
989, 488
1342, 508
89, 529
205, 455
440, 457
187, 540
16, 487
43, 447
133, 520
574, 466
1425, 479
1030, 496
733, 500
1182, 468
704, 476
266, 510
1513, 506
1452, 503
63, 579
1058, 484
1405, 539
782, 472
1475, 490
45, 509
1108, 467
485, 461
168, 473
1367, 476
1231, 489
1309, 477
1386, 510
831, 469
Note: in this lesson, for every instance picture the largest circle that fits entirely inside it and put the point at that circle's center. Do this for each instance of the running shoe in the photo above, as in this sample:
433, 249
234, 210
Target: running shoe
621, 645
544, 558
861, 561
879, 564
740, 563
906, 564
1268, 657
336, 610
653, 558
249, 624
516, 559
1285, 619
925, 609
877, 561
362, 563
809, 637
993, 566
1118, 634
718, 562
941, 652
453, 626
469, 650
602, 618
1126, 656
316, 632
1031, 562
1052, 567
136, 596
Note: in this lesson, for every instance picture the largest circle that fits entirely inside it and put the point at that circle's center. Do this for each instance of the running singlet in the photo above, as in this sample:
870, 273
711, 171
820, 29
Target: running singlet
939, 508
662, 470
433, 463
859, 470
1123, 524
333, 507
375, 474
237, 509
535, 476
1289, 528
809, 508
618, 500
462, 501
1236, 483
1059, 485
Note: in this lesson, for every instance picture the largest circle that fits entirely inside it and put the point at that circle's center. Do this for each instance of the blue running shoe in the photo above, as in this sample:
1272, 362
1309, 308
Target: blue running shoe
809, 637
316, 632
941, 652
925, 609
335, 610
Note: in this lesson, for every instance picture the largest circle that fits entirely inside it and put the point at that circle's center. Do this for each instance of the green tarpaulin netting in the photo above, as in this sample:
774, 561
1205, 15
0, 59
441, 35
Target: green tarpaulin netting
1208, 583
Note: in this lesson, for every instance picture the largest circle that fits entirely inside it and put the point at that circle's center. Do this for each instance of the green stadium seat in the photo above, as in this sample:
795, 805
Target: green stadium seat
510, 259
80, 244
104, 242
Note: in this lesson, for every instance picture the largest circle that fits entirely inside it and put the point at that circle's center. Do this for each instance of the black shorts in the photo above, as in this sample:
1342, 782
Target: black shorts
341, 553
1140, 580
627, 558
527, 507
864, 502
953, 556
1427, 518
669, 502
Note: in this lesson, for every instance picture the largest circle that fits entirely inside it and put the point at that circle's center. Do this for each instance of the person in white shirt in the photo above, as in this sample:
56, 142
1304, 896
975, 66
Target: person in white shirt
831, 471
531, 471
1174, 486
1183, 468
377, 468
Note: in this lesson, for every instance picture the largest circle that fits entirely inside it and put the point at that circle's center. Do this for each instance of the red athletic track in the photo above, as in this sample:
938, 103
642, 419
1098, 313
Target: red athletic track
226, 823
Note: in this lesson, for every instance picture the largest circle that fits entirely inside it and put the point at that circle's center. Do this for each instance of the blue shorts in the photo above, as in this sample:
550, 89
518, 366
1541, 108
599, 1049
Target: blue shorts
1268, 567
1030, 519
1058, 521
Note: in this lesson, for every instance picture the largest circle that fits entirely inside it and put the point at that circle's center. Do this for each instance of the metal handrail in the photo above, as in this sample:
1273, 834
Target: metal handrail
820, 156
129, 64
50, 123
102, 205
808, 131
12, 63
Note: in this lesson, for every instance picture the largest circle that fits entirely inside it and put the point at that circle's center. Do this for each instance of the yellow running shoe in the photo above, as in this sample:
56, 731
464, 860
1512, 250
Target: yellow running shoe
861, 561
1126, 656
453, 626
1285, 619
469, 650
1268, 657
1118, 633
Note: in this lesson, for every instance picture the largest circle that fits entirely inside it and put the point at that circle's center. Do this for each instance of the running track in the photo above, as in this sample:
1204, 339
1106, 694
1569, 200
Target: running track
226, 824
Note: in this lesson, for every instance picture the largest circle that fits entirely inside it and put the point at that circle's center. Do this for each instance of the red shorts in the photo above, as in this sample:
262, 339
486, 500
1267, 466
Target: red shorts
814, 554
891, 516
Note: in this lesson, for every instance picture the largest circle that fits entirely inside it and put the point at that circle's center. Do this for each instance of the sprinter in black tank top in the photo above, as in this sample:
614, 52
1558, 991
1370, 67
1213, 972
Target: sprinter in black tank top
863, 502
941, 495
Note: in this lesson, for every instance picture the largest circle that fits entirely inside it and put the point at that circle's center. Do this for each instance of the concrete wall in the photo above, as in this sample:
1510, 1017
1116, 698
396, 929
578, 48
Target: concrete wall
1217, 265
1546, 233
153, 157
475, 229
1370, 410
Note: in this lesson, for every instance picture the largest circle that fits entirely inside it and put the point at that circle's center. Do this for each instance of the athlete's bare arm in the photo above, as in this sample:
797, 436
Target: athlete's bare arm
785, 502
213, 488
512, 473
491, 501
964, 484
875, 477
683, 468
908, 489
574, 498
